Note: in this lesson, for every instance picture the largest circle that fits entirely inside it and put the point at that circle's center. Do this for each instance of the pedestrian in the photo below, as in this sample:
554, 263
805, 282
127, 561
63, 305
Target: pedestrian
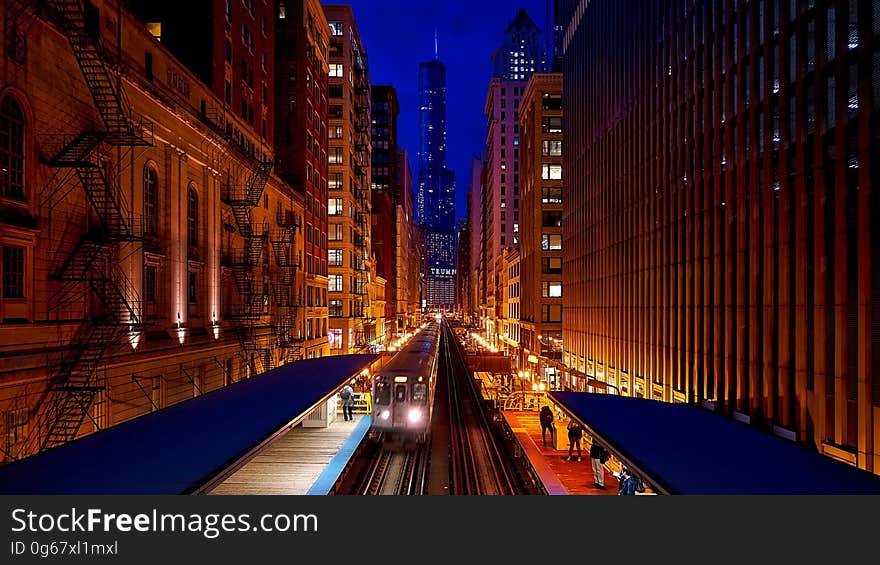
629, 483
575, 433
546, 424
347, 396
598, 456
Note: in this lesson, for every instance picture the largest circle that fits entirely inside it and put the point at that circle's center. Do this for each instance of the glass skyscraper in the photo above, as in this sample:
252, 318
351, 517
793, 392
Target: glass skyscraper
436, 193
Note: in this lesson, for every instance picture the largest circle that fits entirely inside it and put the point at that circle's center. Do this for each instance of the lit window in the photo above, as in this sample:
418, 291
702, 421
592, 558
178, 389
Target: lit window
11, 149
336, 70
335, 284
551, 172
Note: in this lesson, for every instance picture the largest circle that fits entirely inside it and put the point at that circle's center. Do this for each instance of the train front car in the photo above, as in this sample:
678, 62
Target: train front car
403, 391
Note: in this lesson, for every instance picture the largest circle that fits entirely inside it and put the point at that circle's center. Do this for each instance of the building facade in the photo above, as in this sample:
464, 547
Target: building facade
301, 70
385, 195
406, 263
720, 220
350, 261
542, 208
139, 263
228, 45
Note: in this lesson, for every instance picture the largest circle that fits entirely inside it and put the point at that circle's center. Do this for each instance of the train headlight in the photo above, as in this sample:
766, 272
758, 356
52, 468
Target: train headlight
415, 415
385, 414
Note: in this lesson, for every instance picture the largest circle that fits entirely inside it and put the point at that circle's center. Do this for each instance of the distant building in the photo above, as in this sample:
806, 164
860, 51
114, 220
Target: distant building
436, 197
385, 193
540, 236
522, 51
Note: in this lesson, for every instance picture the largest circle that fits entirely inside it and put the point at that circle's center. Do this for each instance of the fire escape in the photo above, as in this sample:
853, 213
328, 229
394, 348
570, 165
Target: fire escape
363, 143
95, 262
246, 266
288, 339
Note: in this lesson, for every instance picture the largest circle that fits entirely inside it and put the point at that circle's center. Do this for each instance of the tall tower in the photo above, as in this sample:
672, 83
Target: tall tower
436, 192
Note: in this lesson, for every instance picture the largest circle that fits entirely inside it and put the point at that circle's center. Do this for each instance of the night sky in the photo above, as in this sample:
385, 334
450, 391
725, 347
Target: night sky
399, 34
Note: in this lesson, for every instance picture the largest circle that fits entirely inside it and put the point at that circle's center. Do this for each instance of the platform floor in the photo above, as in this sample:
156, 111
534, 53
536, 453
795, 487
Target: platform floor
295, 462
559, 476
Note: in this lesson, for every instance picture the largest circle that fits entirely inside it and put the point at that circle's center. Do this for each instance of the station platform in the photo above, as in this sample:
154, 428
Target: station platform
304, 461
550, 463
518, 405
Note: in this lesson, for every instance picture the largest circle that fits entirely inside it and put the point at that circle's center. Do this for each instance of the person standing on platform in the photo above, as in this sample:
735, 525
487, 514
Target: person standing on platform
598, 457
575, 433
347, 396
546, 424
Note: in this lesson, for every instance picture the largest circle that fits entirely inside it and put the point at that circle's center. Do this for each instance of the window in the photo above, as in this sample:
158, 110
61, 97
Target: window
337, 28
552, 195
551, 242
150, 285
552, 102
151, 201
335, 309
335, 283
335, 91
11, 149
552, 266
551, 313
551, 219
334, 232
192, 217
336, 70
335, 132
552, 289
336, 155
13, 272
193, 288
334, 207
551, 172
334, 257
553, 125
552, 148
16, 428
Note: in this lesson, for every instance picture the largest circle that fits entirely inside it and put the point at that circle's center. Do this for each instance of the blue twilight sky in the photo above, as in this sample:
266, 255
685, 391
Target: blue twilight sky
399, 34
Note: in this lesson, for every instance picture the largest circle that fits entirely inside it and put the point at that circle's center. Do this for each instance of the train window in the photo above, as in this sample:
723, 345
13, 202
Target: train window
400, 393
420, 392
383, 394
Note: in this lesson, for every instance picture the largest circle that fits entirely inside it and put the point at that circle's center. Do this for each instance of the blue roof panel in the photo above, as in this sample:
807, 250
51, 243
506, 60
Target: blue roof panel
686, 449
173, 451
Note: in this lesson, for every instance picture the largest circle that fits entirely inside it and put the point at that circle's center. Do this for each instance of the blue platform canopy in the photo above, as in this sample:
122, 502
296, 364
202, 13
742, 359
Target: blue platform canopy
178, 449
685, 449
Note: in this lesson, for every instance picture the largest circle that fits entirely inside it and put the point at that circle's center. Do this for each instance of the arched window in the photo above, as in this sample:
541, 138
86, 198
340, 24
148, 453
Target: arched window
151, 201
11, 149
192, 217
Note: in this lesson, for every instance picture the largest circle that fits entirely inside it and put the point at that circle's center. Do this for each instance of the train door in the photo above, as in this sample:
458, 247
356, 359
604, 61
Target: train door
398, 416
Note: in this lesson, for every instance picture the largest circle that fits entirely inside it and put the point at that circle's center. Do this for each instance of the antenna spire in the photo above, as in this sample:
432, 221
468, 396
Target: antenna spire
436, 46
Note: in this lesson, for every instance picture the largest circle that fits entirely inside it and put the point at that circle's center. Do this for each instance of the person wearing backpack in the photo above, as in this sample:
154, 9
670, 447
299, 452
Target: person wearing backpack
347, 396
598, 456
546, 424
575, 433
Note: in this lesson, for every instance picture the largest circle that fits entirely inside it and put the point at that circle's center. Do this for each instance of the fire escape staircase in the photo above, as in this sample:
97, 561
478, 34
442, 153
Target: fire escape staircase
74, 378
246, 263
283, 287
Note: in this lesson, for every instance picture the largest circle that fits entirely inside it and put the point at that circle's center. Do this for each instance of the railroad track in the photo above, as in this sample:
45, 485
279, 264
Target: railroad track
401, 473
477, 464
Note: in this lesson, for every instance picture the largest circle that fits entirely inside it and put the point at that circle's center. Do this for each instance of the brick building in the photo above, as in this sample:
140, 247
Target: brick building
143, 262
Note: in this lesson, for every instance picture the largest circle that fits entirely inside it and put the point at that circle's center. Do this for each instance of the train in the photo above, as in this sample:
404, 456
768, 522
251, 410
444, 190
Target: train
403, 391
